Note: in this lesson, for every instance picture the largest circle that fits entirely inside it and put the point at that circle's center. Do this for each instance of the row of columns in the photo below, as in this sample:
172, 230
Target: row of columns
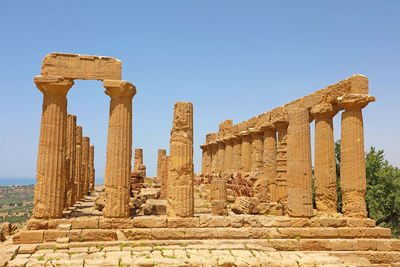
65, 170
281, 152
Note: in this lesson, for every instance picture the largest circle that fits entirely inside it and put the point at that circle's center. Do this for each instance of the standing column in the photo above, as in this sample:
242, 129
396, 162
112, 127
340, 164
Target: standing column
209, 159
299, 169
70, 161
214, 157
324, 159
119, 143
203, 159
237, 153
352, 155
221, 155
246, 151
180, 170
51, 167
78, 165
85, 164
281, 163
269, 157
228, 155
257, 163
160, 160
91, 168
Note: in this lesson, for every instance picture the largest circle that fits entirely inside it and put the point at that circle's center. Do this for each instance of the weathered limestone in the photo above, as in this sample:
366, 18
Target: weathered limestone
91, 168
218, 197
352, 155
214, 157
257, 161
85, 164
245, 151
180, 166
208, 159
299, 169
162, 172
221, 155
70, 161
78, 165
138, 167
119, 143
281, 159
236, 152
162, 153
269, 157
203, 158
51, 167
72, 66
164, 180
228, 155
324, 159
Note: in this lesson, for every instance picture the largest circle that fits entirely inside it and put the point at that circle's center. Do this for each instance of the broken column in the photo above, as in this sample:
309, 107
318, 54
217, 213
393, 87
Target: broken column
281, 125
221, 155
299, 169
51, 168
352, 155
236, 152
245, 151
160, 160
119, 143
70, 161
269, 156
85, 164
91, 168
324, 159
180, 166
139, 168
218, 197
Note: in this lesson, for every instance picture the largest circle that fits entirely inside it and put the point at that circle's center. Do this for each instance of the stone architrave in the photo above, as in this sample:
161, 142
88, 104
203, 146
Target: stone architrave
180, 166
228, 155
214, 157
85, 164
245, 151
160, 161
221, 155
119, 147
203, 158
352, 155
324, 159
49, 191
70, 161
78, 165
269, 157
91, 168
257, 162
236, 153
299, 169
281, 159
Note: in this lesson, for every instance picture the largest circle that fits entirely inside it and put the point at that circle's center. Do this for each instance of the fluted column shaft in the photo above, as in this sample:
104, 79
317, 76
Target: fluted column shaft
352, 155
203, 159
91, 168
324, 159
299, 169
237, 153
228, 155
269, 157
246, 152
51, 168
70, 161
221, 155
281, 160
209, 159
78, 165
257, 163
214, 157
85, 164
160, 161
119, 147
180, 167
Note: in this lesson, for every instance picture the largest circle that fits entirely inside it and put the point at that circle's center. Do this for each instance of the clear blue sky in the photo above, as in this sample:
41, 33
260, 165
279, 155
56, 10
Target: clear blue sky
231, 59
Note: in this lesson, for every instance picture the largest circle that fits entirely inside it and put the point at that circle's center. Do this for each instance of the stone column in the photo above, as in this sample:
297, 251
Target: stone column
352, 155
70, 161
237, 153
269, 158
51, 168
203, 159
218, 197
91, 168
164, 178
228, 154
299, 169
221, 155
160, 161
209, 159
119, 147
281, 163
324, 159
85, 164
78, 165
245, 152
257, 163
214, 157
180, 167
138, 166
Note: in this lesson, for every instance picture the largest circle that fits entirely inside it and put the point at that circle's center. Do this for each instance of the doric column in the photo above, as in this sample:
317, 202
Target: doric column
281, 163
85, 164
214, 157
269, 157
299, 169
257, 163
246, 151
209, 159
218, 197
119, 147
138, 166
352, 155
180, 170
91, 168
51, 167
70, 161
203, 158
78, 165
236, 153
164, 178
324, 159
162, 153
228, 154
221, 155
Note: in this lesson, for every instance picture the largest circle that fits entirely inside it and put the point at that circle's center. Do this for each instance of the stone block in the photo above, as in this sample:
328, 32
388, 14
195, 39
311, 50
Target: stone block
62, 240
34, 224
367, 244
64, 226
214, 221
136, 233
383, 245
85, 223
150, 221
354, 222
314, 245
294, 232
284, 245
177, 222
52, 235
219, 208
378, 232
75, 235
155, 207
324, 232
115, 223
300, 222
230, 233
351, 232
199, 233
31, 236
168, 233
263, 233
18, 262
28, 248
344, 245
332, 222
395, 244
368, 222
6, 228
98, 235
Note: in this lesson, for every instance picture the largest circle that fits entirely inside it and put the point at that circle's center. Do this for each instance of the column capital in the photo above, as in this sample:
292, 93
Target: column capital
355, 101
119, 89
255, 131
244, 133
281, 122
220, 141
203, 146
57, 85
268, 127
324, 110
212, 144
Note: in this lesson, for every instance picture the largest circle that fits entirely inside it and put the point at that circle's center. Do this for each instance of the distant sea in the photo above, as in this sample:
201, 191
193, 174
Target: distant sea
28, 181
